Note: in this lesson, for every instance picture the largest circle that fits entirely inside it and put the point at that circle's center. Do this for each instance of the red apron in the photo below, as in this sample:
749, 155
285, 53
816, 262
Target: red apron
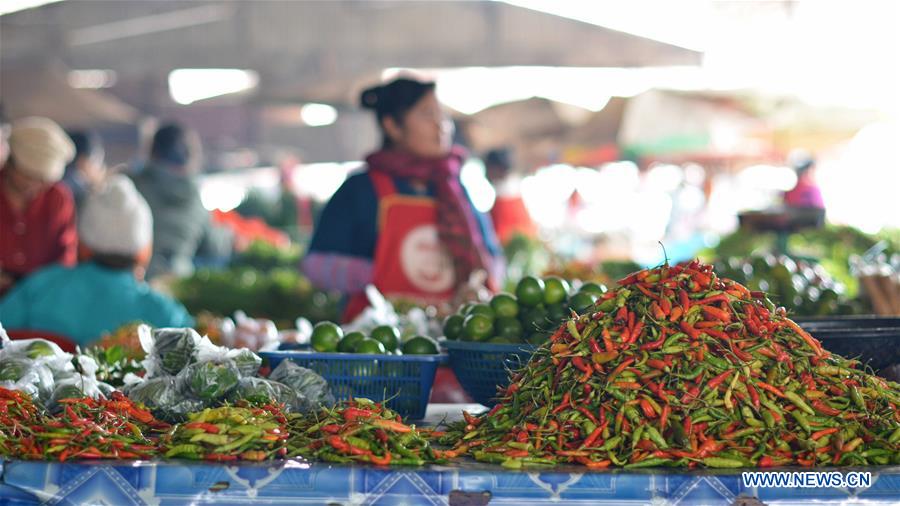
410, 263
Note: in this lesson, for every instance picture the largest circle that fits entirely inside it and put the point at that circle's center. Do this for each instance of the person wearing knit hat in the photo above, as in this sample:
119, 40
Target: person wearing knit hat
106, 290
37, 213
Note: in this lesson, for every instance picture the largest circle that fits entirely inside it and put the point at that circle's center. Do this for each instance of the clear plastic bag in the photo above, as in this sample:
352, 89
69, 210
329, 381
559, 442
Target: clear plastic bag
163, 397
312, 389
73, 388
35, 379
209, 381
168, 350
261, 391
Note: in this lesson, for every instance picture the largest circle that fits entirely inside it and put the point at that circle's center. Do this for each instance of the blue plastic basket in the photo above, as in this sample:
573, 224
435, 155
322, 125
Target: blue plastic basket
405, 380
481, 368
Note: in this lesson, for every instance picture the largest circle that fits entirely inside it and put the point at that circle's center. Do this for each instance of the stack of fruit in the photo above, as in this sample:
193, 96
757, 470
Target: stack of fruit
531, 315
328, 337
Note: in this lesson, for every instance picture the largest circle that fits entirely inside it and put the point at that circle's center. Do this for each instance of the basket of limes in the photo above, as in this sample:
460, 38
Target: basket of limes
379, 366
487, 340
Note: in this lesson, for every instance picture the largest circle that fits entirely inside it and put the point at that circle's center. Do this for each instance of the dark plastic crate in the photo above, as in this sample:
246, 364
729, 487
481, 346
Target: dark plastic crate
874, 340
405, 381
481, 368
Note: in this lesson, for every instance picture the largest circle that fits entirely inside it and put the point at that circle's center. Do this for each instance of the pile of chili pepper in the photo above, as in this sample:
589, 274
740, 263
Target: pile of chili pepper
229, 433
677, 367
360, 430
86, 428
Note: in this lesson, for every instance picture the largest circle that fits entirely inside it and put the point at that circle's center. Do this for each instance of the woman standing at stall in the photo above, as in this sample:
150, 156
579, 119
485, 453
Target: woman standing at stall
406, 224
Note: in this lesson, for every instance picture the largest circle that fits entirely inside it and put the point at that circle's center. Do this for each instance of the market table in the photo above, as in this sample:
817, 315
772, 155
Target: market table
296, 482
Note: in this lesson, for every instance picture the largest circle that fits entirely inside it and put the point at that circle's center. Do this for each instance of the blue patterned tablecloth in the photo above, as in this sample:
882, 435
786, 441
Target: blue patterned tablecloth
168, 482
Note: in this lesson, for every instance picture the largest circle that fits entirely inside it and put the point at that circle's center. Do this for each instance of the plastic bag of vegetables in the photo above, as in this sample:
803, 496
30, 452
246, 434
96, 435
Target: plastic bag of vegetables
209, 381
312, 388
263, 391
74, 387
169, 350
163, 397
17, 373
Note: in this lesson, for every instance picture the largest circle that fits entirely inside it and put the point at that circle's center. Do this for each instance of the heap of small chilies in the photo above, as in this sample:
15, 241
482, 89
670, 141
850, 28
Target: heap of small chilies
86, 428
677, 367
230, 433
360, 430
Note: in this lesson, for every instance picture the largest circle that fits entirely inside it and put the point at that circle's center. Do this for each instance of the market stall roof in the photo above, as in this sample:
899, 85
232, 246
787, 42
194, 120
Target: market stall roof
45, 92
312, 50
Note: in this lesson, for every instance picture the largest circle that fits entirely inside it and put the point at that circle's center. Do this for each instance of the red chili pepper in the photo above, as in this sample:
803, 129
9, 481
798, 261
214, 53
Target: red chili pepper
207, 427
754, 396
331, 428
770, 388
588, 441
657, 311
595, 347
765, 461
664, 418
579, 364
717, 380
688, 329
380, 461
647, 409
350, 414
584, 411
714, 298
821, 407
657, 364
716, 314
824, 432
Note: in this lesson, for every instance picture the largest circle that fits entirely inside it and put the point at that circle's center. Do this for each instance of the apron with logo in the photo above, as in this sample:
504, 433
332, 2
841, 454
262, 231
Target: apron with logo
411, 263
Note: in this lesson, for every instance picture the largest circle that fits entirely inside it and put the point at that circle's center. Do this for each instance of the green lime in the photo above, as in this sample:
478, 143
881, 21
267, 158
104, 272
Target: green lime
558, 312
582, 301
38, 349
556, 290
465, 308
535, 318
593, 288
477, 327
370, 346
502, 340
386, 335
537, 338
505, 305
326, 336
453, 326
530, 291
509, 328
349, 342
420, 345
483, 309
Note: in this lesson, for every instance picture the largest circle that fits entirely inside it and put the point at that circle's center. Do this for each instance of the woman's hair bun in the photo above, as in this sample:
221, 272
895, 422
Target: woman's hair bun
370, 98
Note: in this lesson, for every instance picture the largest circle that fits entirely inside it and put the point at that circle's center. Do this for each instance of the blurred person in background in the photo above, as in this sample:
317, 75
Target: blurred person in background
509, 214
182, 227
37, 212
106, 290
406, 224
85, 173
806, 193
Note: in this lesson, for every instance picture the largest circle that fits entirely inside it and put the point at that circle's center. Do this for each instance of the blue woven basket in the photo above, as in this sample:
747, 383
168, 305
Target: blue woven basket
482, 367
406, 379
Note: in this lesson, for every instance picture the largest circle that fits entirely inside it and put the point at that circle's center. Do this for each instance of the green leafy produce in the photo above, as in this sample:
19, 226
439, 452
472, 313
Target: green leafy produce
210, 381
175, 349
113, 364
312, 387
247, 362
261, 391
13, 369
